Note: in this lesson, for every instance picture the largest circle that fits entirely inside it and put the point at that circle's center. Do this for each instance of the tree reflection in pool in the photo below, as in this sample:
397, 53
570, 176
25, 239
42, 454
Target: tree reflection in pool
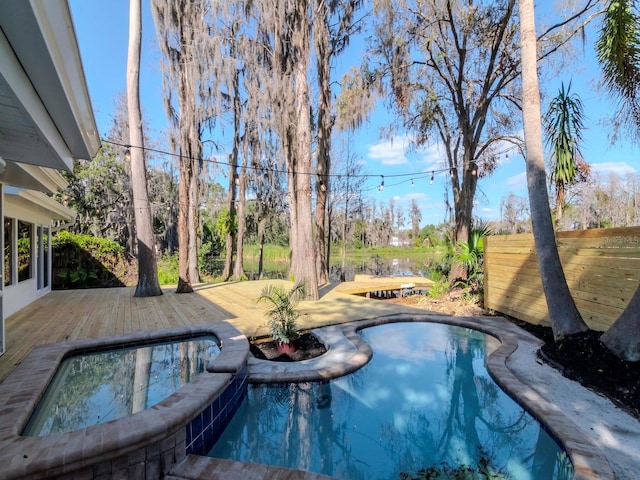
425, 401
95, 387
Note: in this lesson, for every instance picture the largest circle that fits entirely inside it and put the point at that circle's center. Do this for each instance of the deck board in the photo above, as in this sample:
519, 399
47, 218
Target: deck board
76, 314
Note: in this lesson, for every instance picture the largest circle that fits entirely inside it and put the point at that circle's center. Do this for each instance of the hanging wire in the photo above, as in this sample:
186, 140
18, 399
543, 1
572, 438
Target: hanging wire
412, 175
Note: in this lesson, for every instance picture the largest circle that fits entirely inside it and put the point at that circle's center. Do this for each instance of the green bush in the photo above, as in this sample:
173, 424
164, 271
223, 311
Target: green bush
83, 261
168, 269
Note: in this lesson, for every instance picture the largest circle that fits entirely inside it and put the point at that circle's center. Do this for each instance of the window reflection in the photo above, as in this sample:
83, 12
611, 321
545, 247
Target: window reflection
8, 251
25, 249
45, 256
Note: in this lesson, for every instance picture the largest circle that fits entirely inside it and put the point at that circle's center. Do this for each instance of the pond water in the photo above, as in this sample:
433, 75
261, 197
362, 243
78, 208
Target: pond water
425, 401
95, 387
373, 265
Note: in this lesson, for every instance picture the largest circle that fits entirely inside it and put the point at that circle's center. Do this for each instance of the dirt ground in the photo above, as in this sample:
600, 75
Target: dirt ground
454, 303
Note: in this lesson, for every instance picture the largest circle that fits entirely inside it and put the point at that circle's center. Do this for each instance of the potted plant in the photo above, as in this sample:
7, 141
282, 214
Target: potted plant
283, 314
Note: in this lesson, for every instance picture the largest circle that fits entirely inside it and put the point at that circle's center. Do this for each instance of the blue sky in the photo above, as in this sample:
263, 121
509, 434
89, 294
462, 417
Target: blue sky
102, 31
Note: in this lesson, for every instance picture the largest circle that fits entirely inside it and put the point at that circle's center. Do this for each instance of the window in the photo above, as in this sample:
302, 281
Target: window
42, 256
45, 257
9, 247
25, 250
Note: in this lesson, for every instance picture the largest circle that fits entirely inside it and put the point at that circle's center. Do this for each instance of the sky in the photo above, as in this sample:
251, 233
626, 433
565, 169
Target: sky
102, 32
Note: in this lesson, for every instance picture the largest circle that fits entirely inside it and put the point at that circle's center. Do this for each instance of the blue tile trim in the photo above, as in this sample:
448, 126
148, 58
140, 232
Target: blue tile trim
205, 429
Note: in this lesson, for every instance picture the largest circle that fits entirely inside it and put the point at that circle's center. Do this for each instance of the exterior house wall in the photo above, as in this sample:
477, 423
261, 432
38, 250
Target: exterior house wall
20, 294
46, 121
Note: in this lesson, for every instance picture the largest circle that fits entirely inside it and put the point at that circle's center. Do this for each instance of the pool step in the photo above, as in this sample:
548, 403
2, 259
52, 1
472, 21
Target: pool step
194, 467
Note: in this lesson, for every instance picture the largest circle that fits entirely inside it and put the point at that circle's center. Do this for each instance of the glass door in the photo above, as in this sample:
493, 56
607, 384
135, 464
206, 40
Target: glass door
2, 271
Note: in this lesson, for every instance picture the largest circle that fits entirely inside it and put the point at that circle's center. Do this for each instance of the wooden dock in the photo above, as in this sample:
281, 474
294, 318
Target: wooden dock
370, 286
74, 314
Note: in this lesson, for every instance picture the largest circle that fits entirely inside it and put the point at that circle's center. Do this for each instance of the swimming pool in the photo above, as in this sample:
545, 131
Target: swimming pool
94, 387
424, 401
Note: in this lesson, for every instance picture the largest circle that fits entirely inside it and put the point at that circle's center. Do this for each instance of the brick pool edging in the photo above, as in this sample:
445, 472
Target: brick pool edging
588, 460
144, 445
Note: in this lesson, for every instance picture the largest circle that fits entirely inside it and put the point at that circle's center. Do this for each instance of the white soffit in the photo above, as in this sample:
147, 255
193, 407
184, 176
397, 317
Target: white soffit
46, 117
39, 202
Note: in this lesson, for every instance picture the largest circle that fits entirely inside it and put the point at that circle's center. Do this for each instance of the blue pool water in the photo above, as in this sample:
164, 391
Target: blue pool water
96, 387
424, 401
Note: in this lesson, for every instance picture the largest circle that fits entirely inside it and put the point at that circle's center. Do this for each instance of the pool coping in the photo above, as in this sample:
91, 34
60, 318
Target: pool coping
44, 457
135, 435
347, 352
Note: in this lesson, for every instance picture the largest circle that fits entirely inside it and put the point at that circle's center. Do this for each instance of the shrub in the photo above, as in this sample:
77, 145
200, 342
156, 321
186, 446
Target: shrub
83, 261
283, 313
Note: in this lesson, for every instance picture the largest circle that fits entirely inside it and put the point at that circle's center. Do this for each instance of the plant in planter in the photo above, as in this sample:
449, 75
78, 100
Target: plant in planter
283, 313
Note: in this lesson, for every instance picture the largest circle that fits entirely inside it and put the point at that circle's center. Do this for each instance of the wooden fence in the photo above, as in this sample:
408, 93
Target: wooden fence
602, 267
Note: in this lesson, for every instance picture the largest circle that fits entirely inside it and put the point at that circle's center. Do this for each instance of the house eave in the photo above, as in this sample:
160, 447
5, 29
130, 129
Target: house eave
38, 201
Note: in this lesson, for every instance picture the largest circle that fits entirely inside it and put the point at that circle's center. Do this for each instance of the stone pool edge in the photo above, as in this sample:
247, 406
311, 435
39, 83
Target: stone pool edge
147, 443
348, 352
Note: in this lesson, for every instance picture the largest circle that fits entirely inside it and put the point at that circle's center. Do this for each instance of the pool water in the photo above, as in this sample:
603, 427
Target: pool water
424, 405
96, 387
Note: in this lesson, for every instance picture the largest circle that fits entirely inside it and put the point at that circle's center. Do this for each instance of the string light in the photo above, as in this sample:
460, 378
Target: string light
265, 171
412, 184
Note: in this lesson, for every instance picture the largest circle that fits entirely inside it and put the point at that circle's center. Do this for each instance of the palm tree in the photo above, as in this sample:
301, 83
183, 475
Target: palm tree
563, 313
619, 55
283, 310
563, 127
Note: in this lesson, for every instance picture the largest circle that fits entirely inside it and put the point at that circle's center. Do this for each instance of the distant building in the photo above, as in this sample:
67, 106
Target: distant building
400, 242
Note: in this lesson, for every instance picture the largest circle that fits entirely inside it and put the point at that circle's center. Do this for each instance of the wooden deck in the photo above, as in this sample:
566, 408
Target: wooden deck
75, 314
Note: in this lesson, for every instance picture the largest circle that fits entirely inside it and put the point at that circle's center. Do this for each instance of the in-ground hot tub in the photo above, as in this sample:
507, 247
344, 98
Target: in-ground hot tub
141, 445
93, 387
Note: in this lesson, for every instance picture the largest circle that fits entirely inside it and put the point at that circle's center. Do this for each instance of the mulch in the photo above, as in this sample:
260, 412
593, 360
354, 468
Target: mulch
584, 358
307, 346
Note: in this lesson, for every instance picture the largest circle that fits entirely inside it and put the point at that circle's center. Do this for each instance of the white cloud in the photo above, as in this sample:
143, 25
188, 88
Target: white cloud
418, 196
390, 152
619, 168
432, 155
518, 181
397, 150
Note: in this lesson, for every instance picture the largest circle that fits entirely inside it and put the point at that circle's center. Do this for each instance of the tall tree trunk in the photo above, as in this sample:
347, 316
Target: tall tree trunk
623, 337
463, 200
344, 233
323, 140
303, 264
184, 281
148, 285
563, 314
194, 213
189, 136
234, 179
230, 237
262, 226
238, 269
